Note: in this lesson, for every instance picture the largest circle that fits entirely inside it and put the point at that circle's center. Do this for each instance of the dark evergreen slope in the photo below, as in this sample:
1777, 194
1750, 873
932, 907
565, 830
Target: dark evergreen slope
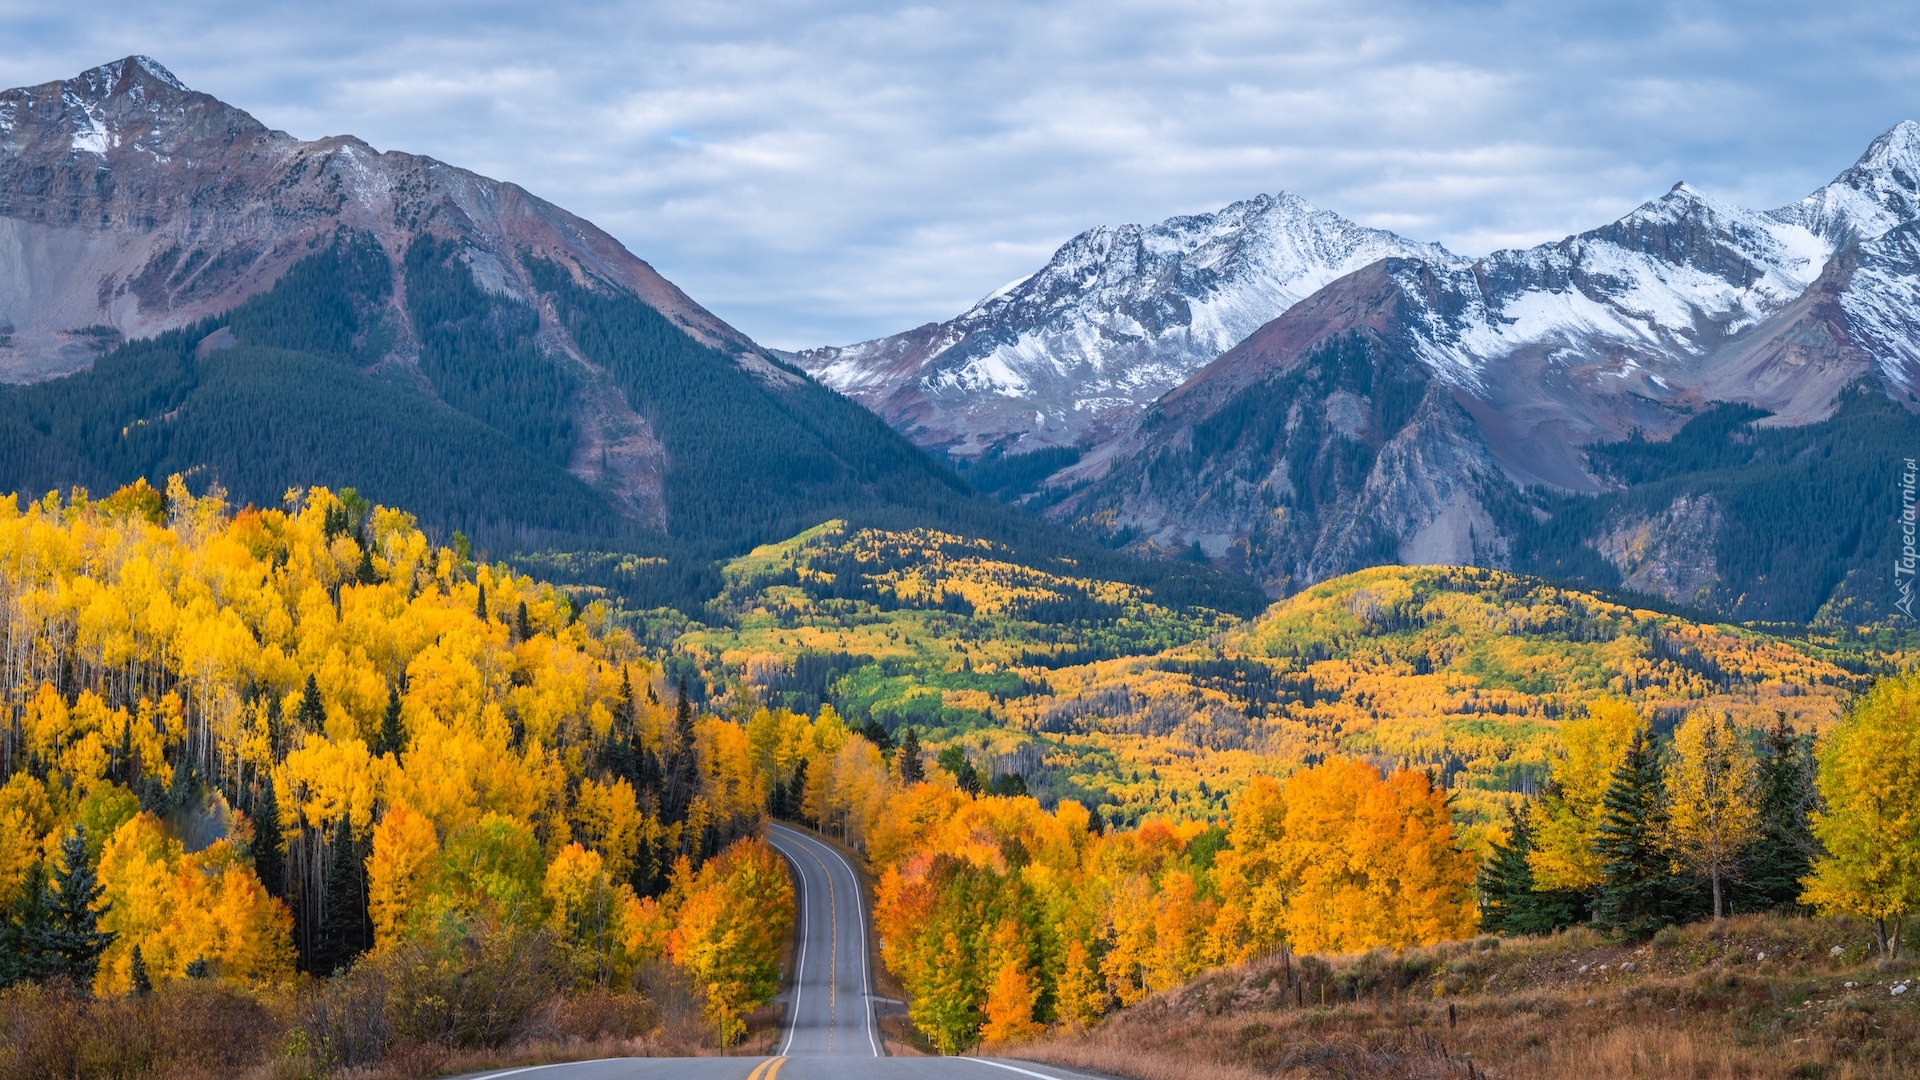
480, 352
277, 402
1801, 518
284, 391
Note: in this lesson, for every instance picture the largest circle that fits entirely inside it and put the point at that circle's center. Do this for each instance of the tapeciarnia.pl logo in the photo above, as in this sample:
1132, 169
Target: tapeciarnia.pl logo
1904, 566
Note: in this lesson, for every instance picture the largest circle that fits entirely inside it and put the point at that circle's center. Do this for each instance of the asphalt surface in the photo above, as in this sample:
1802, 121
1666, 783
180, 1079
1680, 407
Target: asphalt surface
829, 1031
830, 1010
792, 1068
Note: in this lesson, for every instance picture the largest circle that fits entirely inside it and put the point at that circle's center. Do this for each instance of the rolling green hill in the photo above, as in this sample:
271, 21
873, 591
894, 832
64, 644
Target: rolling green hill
1089, 689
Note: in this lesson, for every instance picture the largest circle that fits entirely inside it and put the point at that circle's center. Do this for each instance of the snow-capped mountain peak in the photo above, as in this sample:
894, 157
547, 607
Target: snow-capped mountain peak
1119, 315
1878, 192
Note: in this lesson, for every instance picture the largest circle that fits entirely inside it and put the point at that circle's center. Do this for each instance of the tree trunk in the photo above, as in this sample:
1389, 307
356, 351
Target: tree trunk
1716, 895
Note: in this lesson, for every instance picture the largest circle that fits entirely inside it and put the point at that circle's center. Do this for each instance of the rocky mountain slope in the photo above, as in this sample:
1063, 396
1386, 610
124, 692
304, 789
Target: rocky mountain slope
1423, 410
131, 205
1118, 316
184, 290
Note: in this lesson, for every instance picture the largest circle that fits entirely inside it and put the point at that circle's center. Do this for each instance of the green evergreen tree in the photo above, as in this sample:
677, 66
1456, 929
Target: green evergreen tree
276, 729
72, 937
912, 769
521, 627
313, 711
619, 756
365, 573
140, 984
480, 608
682, 781
198, 968
343, 906
269, 860
876, 733
1782, 854
1638, 890
392, 737
23, 937
954, 760
1508, 903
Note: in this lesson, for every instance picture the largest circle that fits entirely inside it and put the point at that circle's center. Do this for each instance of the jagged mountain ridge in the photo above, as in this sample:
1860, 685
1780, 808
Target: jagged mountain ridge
1119, 315
1526, 362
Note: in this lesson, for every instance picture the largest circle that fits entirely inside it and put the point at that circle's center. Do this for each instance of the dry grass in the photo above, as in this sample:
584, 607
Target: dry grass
1697, 1002
202, 1030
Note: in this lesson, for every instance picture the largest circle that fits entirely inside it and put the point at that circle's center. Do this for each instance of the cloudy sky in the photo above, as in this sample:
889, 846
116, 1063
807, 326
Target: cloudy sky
821, 172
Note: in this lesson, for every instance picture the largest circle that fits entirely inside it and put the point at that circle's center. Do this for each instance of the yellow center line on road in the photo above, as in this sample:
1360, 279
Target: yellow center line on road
833, 950
775, 1071
760, 1069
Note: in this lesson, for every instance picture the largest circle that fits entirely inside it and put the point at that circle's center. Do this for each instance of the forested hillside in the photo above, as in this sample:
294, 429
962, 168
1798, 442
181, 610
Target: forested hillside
1757, 522
1088, 690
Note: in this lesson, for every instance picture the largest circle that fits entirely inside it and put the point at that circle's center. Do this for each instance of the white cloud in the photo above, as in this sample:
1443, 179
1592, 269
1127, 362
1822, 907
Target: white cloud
820, 171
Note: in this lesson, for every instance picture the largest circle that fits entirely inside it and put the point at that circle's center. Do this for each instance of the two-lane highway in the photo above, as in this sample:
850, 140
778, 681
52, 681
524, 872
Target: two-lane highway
828, 1032
830, 1010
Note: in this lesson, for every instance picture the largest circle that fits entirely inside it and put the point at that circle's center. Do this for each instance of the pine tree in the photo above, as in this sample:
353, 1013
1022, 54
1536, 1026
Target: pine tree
1637, 886
343, 907
480, 608
313, 711
198, 968
269, 861
276, 729
23, 952
392, 737
524, 630
139, 985
912, 769
1776, 861
954, 760
682, 780
1508, 902
72, 937
618, 755
365, 573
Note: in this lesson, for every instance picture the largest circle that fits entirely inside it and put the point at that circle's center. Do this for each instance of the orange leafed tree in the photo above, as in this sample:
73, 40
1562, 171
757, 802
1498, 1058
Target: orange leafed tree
1351, 861
736, 915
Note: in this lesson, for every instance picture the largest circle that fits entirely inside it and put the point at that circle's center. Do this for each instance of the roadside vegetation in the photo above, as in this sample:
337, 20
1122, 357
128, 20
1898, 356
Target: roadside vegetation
1751, 996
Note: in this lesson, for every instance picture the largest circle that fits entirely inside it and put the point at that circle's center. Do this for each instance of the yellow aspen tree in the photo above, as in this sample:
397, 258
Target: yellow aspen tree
1869, 777
1009, 1007
1079, 995
1712, 796
405, 848
737, 912
1566, 818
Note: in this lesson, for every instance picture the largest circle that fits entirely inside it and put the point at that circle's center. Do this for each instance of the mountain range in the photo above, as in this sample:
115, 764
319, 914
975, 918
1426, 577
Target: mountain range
183, 289
1699, 403
1403, 404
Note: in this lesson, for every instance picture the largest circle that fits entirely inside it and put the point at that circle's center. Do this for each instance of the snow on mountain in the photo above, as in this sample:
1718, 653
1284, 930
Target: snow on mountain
1518, 362
1879, 192
1676, 277
1117, 317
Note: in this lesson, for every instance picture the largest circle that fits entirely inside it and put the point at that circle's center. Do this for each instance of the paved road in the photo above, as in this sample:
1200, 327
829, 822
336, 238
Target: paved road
831, 1008
792, 1068
829, 1032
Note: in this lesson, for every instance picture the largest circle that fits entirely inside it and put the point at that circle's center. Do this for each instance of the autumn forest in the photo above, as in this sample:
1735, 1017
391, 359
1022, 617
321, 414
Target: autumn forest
303, 758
